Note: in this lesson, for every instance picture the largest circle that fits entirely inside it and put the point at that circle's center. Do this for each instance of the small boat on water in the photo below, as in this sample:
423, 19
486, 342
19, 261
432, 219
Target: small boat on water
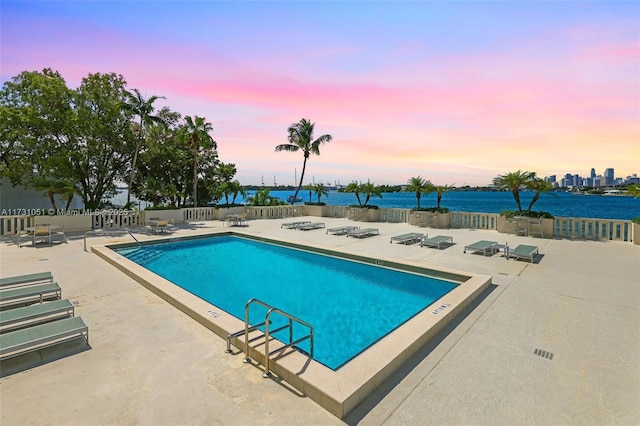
290, 199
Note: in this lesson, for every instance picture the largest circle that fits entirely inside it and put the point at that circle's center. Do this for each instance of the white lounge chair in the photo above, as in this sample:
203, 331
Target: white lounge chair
342, 230
310, 226
410, 238
292, 225
523, 252
29, 294
41, 336
362, 233
486, 247
437, 241
13, 319
28, 279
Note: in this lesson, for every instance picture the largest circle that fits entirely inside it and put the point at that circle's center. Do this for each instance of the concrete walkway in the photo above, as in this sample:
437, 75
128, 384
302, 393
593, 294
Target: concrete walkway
151, 364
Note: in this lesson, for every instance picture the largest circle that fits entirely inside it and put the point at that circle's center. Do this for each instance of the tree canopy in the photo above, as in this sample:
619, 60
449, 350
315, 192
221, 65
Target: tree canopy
90, 139
301, 139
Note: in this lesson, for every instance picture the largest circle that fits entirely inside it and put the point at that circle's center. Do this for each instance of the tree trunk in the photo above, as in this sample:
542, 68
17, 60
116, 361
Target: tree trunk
304, 166
53, 200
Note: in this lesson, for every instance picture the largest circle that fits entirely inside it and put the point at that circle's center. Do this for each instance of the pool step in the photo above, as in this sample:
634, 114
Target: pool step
145, 255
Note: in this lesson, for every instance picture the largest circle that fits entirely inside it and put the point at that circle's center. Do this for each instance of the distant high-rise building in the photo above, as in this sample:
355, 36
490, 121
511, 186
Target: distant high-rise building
593, 173
608, 177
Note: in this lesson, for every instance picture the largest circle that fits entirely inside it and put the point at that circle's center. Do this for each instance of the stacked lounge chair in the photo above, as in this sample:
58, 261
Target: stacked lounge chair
26, 326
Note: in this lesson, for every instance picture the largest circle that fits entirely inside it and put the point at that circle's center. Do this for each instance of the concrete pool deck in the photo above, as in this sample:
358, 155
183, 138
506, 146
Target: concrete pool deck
151, 364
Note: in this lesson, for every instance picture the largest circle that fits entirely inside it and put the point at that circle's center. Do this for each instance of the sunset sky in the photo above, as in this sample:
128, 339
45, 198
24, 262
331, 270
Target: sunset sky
456, 92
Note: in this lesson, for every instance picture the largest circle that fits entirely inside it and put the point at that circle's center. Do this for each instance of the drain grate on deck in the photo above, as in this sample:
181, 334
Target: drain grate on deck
543, 354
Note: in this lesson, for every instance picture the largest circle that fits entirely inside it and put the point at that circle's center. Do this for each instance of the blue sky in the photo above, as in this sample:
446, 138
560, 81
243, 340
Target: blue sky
457, 92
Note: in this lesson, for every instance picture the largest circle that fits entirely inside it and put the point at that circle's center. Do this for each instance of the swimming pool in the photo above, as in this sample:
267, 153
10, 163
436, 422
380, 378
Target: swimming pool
341, 390
351, 305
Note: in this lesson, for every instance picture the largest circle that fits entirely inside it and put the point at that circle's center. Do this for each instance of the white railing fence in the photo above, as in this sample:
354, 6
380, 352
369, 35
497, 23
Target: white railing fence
563, 227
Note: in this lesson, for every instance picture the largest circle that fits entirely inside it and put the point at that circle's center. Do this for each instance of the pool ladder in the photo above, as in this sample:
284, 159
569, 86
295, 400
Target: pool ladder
267, 333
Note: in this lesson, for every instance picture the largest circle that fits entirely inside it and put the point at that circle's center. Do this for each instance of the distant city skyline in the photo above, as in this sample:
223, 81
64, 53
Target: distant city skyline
455, 92
595, 179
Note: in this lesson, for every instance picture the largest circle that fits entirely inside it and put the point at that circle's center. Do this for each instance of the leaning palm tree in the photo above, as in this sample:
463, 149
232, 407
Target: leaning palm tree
235, 188
513, 181
441, 189
354, 187
143, 108
198, 132
420, 186
539, 186
369, 190
301, 138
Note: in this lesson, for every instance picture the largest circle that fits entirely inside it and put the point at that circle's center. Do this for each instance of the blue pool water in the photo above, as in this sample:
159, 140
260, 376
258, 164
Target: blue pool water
350, 305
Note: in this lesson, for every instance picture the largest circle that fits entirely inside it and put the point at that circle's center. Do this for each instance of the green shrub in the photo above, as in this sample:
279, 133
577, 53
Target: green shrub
431, 209
226, 206
162, 208
636, 220
513, 213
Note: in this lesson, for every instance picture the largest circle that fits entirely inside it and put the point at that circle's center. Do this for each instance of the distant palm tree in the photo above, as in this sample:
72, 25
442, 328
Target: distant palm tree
320, 190
309, 187
441, 189
539, 186
354, 187
420, 186
513, 181
301, 138
51, 187
369, 190
634, 190
143, 108
198, 132
235, 188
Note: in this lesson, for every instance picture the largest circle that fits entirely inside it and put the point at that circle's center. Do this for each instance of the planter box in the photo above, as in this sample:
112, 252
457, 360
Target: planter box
363, 214
508, 226
220, 214
79, 222
635, 233
319, 211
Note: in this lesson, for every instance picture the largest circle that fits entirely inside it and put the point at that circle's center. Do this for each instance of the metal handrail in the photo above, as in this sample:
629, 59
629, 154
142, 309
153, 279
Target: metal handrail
239, 332
267, 323
100, 231
291, 318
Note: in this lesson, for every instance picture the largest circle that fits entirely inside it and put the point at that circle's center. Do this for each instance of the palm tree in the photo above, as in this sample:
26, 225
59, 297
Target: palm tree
419, 186
513, 181
634, 190
235, 188
539, 186
301, 138
309, 187
198, 131
320, 190
369, 190
441, 189
354, 187
143, 108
